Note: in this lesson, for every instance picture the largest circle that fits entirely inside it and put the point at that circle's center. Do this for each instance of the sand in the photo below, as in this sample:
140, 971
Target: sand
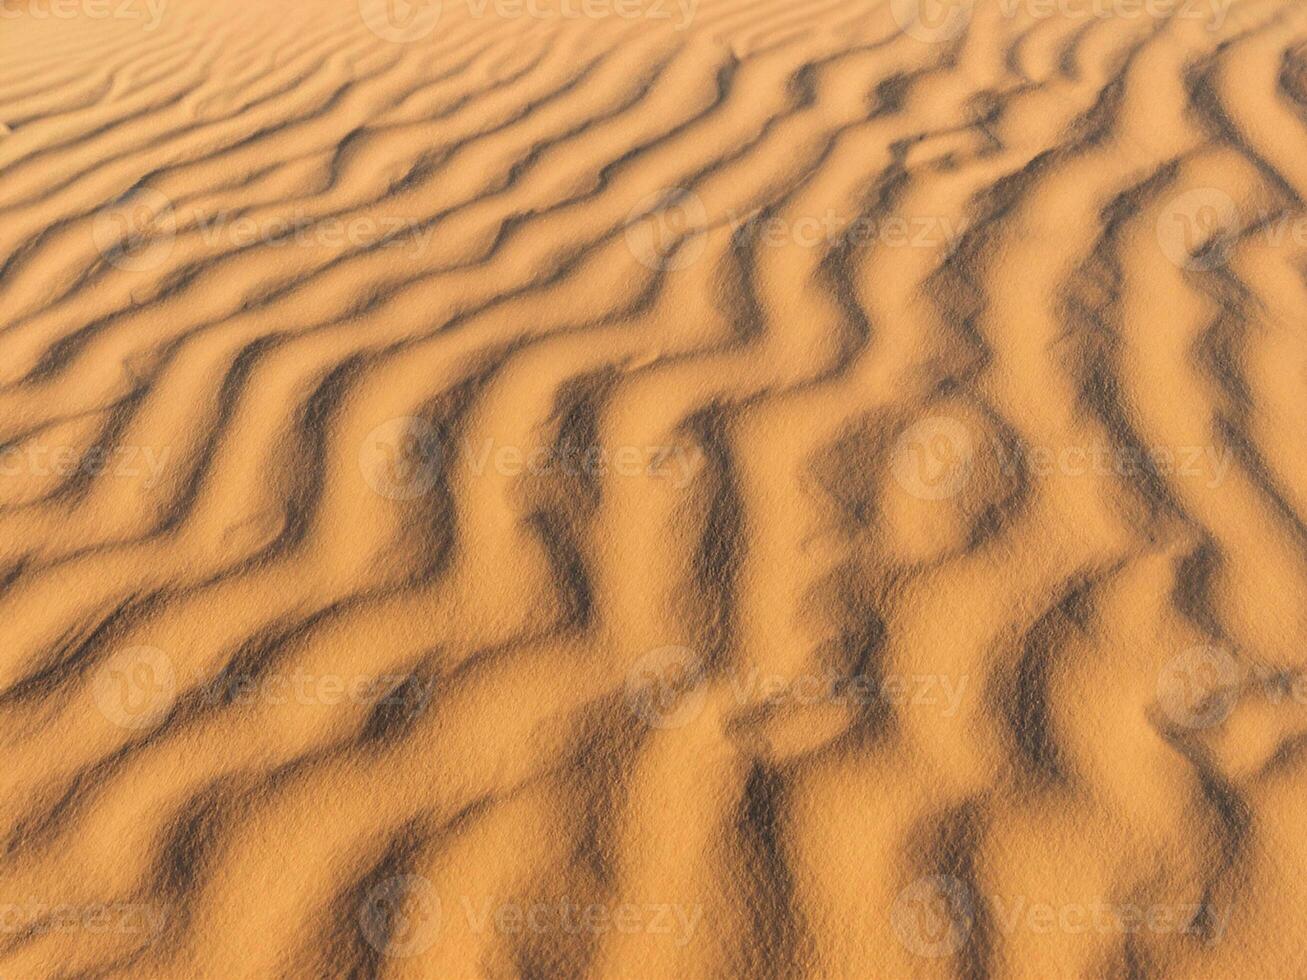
652, 488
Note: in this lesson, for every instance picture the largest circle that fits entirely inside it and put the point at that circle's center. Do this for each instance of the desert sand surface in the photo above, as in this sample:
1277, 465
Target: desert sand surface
653, 489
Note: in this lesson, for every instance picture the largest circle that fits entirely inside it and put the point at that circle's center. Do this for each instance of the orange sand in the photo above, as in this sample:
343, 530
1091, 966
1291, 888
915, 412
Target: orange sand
653, 488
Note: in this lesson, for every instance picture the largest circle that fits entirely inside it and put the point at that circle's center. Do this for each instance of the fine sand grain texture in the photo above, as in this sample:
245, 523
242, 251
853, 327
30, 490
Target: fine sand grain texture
653, 489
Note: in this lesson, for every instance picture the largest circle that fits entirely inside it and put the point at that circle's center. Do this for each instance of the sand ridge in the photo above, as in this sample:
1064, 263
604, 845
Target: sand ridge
652, 488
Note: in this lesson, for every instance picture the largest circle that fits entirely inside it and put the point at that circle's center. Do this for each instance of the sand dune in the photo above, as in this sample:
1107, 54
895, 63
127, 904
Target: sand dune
652, 488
